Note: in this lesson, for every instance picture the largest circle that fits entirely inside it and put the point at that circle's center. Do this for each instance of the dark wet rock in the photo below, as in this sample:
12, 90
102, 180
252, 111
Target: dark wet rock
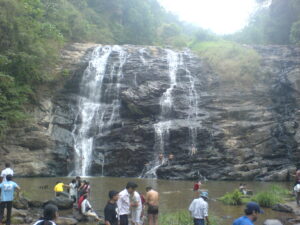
61, 202
282, 208
35, 204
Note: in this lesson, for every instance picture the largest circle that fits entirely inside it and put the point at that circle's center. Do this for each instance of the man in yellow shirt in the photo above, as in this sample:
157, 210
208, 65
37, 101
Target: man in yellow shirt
59, 188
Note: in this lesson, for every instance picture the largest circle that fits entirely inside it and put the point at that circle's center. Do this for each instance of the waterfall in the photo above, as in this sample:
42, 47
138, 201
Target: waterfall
162, 128
98, 105
193, 105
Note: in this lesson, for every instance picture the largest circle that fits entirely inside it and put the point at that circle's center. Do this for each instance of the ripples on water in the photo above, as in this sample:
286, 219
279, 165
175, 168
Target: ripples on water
174, 195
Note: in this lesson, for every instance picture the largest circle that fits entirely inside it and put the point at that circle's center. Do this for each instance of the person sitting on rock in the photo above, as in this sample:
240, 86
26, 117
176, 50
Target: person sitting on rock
86, 208
50, 215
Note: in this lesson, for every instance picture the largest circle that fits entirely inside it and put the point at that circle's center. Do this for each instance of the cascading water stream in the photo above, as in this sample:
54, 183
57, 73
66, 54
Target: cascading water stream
162, 128
193, 104
98, 105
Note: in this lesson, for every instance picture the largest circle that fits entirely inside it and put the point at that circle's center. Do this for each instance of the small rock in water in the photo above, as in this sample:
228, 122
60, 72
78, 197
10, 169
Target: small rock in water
272, 222
282, 208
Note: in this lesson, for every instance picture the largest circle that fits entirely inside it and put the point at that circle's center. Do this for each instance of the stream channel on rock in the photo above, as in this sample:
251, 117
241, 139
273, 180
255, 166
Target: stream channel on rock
174, 195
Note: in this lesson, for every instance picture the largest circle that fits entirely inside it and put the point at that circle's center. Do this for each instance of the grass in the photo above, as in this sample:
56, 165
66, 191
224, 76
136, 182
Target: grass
236, 64
232, 198
183, 217
274, 195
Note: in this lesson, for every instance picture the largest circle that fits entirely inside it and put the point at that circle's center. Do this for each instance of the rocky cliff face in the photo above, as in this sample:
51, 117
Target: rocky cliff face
151, 101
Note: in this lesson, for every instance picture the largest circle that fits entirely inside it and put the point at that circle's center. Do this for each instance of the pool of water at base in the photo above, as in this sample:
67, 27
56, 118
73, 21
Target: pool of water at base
174, 195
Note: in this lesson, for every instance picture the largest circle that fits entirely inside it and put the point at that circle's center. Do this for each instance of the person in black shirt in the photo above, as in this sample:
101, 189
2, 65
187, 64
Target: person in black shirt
111, 209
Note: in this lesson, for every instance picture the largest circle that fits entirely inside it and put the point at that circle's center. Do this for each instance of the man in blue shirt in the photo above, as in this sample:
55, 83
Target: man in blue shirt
8, 188
251, 214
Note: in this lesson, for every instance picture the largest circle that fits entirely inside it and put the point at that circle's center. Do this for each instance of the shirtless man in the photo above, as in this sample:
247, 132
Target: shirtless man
152, 198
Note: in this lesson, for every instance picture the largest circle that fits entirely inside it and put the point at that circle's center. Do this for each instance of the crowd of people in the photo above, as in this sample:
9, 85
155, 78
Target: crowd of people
120, 206
125, 207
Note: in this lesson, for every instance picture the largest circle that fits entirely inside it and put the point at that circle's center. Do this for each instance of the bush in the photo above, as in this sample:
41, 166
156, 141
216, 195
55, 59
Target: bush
235, 64
232, 198
271, 197
183, 218
267, 198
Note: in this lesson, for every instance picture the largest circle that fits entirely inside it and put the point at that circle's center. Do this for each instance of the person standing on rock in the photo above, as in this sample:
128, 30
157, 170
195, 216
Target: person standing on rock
111, 209
50, 215
199, 209
6, 171
152, 201
7, 188
73, 190
251, 214
124, 202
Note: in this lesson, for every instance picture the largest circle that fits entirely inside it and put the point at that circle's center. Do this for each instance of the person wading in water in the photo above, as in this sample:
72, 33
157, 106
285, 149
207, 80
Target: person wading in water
152, 201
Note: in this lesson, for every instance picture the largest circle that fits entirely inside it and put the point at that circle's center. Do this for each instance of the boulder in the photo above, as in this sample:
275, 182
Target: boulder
35, 204
19, 213
21, 203
282, 208
66, 221
61, 202
17, 220
272, 222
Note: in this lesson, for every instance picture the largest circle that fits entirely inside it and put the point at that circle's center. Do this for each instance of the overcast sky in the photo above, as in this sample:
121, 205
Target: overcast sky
220, 16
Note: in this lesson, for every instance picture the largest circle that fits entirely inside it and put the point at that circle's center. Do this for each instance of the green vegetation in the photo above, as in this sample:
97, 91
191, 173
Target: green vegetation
232, 198
183, 218
274, 195
32, 33
234, 63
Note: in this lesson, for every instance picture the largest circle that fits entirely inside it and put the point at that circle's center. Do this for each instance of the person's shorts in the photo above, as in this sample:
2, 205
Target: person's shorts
152, 209
136, 215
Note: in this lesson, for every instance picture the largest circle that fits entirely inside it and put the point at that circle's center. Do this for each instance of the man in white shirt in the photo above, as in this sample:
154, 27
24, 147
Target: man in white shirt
199, 209
6, 171
124, 202
136, 208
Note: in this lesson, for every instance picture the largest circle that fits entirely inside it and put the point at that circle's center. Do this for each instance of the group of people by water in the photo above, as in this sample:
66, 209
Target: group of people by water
123, 207
120, 207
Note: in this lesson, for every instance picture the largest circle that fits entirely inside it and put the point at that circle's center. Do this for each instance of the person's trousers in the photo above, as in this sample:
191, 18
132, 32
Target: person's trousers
199, 222
8, 206
123, 219
298, 198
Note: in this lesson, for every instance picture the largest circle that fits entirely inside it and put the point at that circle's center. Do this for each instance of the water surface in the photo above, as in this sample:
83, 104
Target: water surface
174, 195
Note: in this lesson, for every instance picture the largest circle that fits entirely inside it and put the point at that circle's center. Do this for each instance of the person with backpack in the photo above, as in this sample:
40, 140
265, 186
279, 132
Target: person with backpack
50, 215
7, 188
